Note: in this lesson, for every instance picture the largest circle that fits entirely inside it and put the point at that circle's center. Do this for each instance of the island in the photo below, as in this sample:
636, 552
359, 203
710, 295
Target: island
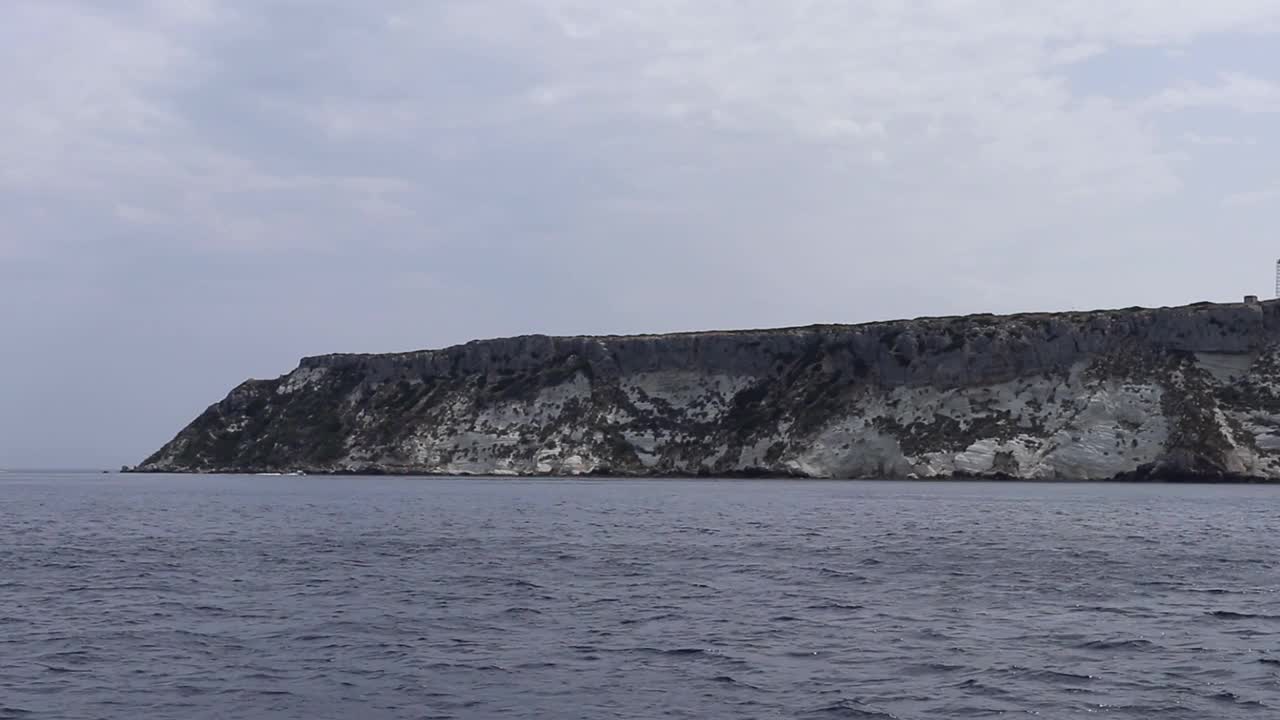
1186, 393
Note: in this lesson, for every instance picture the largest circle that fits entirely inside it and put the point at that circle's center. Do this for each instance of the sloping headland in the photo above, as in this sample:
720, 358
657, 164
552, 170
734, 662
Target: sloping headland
1186, 393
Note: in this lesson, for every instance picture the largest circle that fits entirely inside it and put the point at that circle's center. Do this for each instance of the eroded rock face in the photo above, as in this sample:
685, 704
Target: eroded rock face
1176, 393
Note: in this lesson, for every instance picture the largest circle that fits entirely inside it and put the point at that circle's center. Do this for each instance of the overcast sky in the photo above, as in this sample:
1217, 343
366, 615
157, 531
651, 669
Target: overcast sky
195, 192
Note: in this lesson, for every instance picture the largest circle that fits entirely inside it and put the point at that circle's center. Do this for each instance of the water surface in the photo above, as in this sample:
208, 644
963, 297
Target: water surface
249, 597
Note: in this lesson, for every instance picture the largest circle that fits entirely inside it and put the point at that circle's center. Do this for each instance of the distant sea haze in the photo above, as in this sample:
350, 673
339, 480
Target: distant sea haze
154, 596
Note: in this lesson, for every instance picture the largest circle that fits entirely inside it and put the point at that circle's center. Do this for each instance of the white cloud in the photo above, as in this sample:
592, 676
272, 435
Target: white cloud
1219, 140
1235, 91
286, 124
887, 75
1079, 52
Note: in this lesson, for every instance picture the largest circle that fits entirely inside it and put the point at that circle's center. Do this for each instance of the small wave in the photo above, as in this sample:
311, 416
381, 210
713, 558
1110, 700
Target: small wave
1108, 610
394, 646
1226, 696
1057, 676
730, 680
70, 655
1145, 711
59, 669
449, 666
1231, 615
107, 588
1135, 644
537, 666
849, 709
651, 618
265, 676
980, 688
842, 574
521, 611
711, 654
836, 606
524, 584
935, 667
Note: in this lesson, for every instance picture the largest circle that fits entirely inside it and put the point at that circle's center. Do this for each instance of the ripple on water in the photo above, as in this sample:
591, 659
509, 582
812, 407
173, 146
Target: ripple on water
1118, 645
1232, 615
849, 709
395, 598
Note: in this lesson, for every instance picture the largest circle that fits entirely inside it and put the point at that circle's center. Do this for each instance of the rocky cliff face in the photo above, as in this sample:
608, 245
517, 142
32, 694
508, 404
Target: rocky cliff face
1172, 393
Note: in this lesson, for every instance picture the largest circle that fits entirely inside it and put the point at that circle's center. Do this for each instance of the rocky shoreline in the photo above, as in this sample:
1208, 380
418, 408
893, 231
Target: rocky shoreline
1140, 477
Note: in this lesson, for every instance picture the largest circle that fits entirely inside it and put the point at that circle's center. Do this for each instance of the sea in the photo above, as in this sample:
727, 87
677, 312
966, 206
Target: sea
150, 596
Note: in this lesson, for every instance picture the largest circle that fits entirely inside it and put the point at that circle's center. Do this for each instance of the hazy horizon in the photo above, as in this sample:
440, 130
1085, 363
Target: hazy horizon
200, 192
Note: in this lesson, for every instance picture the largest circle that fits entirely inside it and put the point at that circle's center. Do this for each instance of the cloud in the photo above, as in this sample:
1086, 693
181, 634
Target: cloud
1235, 91
463, 127
184, 102
1218, 140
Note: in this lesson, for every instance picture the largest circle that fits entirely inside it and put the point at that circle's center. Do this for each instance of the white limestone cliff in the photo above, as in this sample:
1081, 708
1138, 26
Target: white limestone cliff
1170, 393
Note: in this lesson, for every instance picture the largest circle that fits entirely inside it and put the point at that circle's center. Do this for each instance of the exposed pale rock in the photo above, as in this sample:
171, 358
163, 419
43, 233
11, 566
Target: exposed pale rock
1179, 393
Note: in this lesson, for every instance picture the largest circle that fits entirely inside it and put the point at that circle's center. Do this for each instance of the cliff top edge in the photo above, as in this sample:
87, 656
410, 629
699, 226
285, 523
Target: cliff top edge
795, 329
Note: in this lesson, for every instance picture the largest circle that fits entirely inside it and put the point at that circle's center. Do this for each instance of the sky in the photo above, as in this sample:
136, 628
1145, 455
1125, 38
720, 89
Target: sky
197, 192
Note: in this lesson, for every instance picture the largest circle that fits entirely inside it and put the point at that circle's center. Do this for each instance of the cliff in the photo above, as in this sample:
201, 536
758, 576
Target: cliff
1171, 393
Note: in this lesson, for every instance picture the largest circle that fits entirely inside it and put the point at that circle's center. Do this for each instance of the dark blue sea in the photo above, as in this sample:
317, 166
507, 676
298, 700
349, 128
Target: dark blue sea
310, 597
